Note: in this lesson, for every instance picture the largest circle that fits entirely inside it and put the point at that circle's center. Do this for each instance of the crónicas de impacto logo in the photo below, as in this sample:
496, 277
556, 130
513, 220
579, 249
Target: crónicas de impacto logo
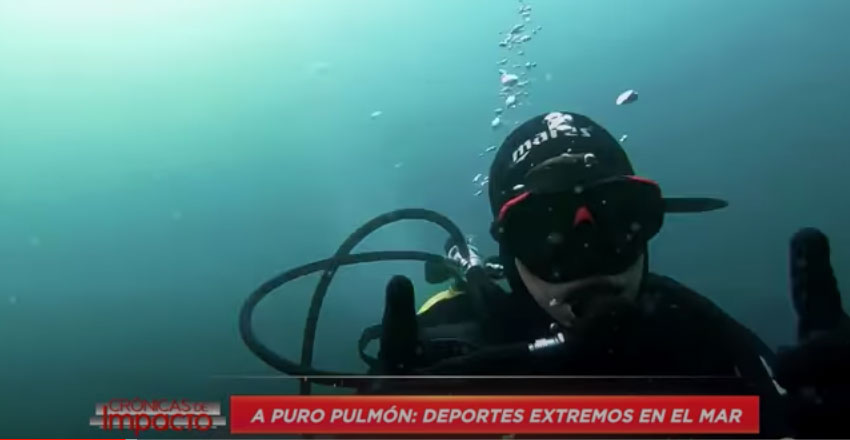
159, 415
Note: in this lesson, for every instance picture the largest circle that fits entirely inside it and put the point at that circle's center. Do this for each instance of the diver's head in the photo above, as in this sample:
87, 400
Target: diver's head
571, 219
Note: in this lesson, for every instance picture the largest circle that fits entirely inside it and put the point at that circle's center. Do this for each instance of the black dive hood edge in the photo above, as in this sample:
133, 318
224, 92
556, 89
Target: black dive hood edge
690, 205
563, 172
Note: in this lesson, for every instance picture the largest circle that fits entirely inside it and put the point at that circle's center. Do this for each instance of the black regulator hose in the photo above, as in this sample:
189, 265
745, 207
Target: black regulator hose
342, 257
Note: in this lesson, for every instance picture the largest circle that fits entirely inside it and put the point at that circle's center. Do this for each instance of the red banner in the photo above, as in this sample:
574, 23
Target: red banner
494, 414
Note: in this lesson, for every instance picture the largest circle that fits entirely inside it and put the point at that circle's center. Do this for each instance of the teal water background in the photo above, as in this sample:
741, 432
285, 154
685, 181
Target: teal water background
160, 159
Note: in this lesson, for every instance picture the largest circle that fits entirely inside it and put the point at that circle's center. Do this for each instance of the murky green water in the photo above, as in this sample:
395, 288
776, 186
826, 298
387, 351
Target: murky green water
160, 159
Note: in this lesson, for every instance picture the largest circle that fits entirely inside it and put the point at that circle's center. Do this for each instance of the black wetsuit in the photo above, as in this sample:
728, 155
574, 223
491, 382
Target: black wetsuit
656, 345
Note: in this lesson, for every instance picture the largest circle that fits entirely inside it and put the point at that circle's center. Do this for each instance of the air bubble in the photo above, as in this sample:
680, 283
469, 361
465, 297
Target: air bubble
627, 97
555, 238
635, 226
508, 79
587, 245
578, 189
604, 202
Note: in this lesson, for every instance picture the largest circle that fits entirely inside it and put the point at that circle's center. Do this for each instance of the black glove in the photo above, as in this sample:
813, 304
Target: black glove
815, 371
400, 335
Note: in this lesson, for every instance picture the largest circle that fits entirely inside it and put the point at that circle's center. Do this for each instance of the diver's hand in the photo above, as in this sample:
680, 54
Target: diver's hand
815, 371
823, 351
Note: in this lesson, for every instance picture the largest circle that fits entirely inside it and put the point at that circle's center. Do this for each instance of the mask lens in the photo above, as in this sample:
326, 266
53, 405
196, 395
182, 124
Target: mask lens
566, 236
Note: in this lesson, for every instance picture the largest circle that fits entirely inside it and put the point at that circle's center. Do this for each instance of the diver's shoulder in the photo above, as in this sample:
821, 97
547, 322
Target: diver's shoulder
668, 297
664, 289
663, 295
655, 280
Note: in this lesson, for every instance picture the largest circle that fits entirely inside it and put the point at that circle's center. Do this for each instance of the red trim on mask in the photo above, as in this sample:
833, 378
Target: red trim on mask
511, 202
642, 179
583, 215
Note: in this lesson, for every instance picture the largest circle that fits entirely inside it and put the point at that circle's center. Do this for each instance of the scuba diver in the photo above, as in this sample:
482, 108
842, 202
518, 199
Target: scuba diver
573, 222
